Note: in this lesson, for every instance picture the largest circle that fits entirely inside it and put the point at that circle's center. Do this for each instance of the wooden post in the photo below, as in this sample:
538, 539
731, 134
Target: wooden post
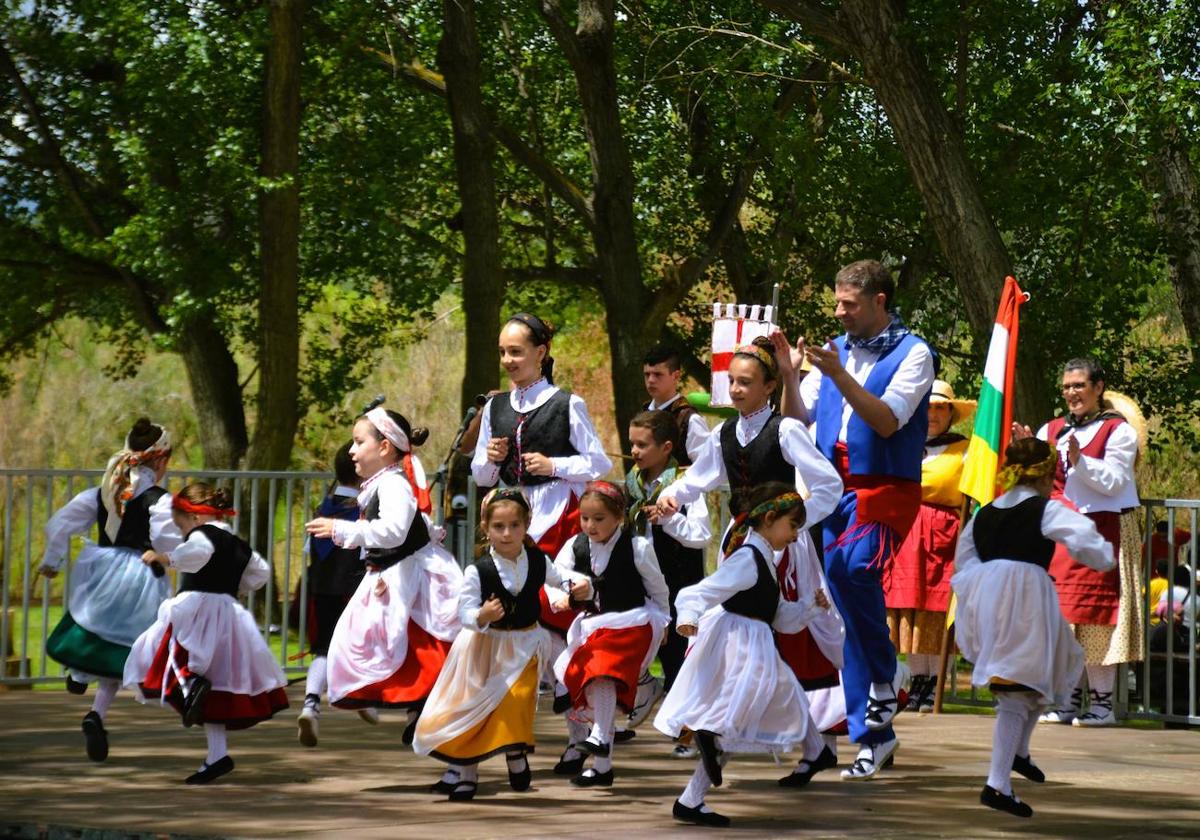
948, 636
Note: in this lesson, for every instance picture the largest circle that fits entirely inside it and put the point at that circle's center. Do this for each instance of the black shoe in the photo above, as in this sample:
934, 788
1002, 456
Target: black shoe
591, 778
520, 780
464, 792
596, 748
710, 754
442, 786
97, 738
209, 772
695, 816
928, 695
1025, 766
800, 778
915, 692
562, 702
993, 798
569, 766
193, 705
624, 735
410, 732
75, 686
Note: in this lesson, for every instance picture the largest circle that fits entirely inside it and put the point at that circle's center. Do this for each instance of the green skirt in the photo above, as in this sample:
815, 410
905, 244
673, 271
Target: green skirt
82, 650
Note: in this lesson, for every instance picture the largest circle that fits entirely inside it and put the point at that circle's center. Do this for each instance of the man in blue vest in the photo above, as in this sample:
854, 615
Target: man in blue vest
868, 394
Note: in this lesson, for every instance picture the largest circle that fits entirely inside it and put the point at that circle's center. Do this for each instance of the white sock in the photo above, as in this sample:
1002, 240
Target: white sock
1010, 725
697, 787
218, 746
577, 732
830, 741
1031, 720
813, 743
452, 775
318, 676
602, 697
602, 764
1101, 678
516, 762
469, 773
106, 690
882, 691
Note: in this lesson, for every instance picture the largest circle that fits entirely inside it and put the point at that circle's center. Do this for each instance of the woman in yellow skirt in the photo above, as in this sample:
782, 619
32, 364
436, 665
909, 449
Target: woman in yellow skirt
484, 700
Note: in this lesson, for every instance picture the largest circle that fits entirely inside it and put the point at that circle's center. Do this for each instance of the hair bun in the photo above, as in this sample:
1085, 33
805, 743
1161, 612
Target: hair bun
419, 435
141, 426
221, 499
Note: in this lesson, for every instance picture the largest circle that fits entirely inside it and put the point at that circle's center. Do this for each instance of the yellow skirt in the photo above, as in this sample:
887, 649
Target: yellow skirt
509, 728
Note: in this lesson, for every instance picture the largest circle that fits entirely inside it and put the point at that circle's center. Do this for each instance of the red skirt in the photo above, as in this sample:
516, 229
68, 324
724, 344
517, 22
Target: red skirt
552, 542
616, 654
1085, 595
802, 654
235, 711
410, 685
919, 575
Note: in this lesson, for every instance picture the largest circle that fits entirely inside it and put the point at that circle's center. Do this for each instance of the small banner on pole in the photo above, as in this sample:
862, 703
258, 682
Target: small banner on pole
734, 324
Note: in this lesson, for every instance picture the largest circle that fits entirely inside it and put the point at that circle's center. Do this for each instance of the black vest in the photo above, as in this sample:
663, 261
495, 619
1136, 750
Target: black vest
761, 600
223, 572
756, 463
546, 430
681, 411
134, 531
620, 586
681, 566
520, 610
382, 558
1013, 533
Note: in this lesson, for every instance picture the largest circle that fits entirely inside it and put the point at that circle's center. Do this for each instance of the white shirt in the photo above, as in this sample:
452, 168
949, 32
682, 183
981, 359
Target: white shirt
549, 500
193, 554
1099, 484
813, 471
397, 509
513, 574
1073, 530
697, 428
78, 516
739, 572
690, 528
911, 382
643, 558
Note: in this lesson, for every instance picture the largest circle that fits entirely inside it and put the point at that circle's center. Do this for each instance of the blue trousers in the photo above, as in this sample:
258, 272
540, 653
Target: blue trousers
858, 592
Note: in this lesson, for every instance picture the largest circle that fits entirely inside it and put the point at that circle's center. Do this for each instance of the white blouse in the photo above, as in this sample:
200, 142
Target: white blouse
1100, 484
513, 574
548, 500
397, 509
737, 573
813, 470
643, 558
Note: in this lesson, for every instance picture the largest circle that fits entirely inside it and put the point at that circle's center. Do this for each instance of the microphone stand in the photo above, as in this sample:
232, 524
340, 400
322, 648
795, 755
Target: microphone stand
441, 477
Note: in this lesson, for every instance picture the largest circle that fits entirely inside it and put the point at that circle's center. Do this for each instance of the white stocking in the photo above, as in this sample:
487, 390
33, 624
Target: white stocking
1011, 714
602, 697
318, 676
697, 787
1101, 678
106, 690
218, 746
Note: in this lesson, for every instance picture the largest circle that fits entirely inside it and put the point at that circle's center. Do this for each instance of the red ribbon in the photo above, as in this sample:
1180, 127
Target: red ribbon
181, 503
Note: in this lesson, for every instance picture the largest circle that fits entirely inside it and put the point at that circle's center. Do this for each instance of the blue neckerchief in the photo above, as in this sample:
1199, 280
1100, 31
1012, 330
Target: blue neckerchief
881, 344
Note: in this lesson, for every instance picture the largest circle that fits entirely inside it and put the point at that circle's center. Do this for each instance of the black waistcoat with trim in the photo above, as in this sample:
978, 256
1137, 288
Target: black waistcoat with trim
382, 558
758, 462
135, 524
1014, 533
223, 572
619, 587
546, 430
760, 601
520, 610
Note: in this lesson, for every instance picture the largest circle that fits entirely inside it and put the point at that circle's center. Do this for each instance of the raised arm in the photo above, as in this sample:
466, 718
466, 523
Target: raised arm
75, 517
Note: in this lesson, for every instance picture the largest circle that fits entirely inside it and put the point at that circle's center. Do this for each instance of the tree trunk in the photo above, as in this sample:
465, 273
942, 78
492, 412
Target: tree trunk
1177, 212
279, 231
474, 153
216, 394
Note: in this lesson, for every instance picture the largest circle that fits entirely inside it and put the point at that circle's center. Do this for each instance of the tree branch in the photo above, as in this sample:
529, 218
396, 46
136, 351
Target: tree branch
557, 273
814, 17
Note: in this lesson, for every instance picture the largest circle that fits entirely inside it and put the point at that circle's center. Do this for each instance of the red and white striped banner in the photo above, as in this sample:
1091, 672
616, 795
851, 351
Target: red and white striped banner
734, 324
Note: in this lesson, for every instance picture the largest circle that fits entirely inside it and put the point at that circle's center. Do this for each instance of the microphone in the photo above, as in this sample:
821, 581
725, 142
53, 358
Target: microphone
378, 400
462, 429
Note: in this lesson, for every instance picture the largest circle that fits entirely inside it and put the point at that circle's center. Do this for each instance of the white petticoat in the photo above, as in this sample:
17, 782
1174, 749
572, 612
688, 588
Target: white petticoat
733, 683
114, 594
1009, 625
370, 641
480, 670
222, 641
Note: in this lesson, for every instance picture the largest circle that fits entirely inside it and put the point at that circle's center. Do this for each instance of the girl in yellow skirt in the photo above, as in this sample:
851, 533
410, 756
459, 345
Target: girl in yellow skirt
484, 700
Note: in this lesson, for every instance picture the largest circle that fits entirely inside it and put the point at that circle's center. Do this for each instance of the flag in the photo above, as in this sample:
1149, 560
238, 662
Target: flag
733, 326
993, 418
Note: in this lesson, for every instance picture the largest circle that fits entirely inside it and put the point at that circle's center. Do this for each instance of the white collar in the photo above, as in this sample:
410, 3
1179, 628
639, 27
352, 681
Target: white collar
608, 544
661, 406
532, 395
1015, 496
345, 490
753, 422
758, 541
500, 558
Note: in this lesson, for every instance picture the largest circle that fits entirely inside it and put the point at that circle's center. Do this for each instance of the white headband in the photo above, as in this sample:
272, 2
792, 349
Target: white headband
389, 428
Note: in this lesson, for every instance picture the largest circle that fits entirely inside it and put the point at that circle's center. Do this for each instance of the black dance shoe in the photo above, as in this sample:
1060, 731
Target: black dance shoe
521, 780
464, 791
591, 778
75, 686
695, 816
596, 748
211, 772
801, 777
1025, 766
562, 702
993, 798
442, 786
710, 754
569, 766
410, 732
193, 704
97, 737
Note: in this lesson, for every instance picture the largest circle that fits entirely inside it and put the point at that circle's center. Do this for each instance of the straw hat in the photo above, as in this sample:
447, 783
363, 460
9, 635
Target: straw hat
960, 410
1127, 408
